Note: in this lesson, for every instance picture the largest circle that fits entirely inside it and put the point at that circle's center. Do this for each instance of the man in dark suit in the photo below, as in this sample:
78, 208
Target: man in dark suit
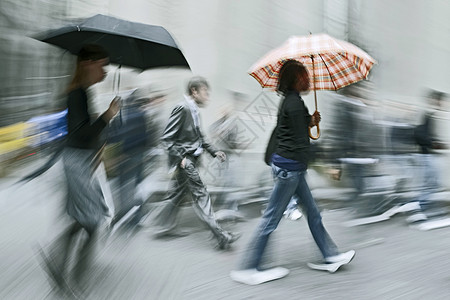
185, 143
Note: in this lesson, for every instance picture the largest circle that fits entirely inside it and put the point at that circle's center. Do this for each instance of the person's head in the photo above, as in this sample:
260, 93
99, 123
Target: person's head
91, 60
435, 98
363, 90
293, 76
198, 89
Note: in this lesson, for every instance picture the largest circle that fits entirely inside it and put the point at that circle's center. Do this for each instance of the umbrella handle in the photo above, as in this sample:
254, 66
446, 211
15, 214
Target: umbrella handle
311, 135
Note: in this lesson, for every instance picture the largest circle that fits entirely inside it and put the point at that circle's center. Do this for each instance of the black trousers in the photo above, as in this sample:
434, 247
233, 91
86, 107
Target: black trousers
130, 175
65, 244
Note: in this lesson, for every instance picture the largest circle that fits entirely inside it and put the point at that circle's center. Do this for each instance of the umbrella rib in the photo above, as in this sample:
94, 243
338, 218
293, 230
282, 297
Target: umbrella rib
328, 70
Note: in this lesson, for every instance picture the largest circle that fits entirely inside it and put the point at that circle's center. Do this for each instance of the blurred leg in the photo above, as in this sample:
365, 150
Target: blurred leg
323, 240
201, 199
285, 185
166, 218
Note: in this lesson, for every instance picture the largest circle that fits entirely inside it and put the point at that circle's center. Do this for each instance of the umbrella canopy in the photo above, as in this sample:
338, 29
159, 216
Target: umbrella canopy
332, 63
128, 43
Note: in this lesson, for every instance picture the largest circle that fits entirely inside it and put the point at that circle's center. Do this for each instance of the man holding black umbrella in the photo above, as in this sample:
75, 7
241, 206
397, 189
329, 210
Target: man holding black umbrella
185, 143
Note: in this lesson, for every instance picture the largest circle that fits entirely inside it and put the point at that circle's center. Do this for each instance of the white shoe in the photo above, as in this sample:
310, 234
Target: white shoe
417, 217
295, 215
254, 277
244, 276
410, 206
342, 259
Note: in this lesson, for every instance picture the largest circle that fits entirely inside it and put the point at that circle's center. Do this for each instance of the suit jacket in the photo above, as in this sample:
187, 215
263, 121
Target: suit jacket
181, 137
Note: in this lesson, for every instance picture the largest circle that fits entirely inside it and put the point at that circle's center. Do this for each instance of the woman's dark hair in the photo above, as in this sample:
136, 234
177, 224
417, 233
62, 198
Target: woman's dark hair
289, 75
87, 52
195, 83
92, 52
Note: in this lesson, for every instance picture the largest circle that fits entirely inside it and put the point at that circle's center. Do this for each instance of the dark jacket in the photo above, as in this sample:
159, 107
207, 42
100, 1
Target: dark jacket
353, 134
424, 134
181, 137
82, 131
290, 138
134, 132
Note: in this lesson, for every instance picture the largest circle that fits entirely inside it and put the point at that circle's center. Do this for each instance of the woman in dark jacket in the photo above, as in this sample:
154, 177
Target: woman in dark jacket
289, 164
85, 202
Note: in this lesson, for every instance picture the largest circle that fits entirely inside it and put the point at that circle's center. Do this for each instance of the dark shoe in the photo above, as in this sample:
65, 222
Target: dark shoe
55, 274
227, 239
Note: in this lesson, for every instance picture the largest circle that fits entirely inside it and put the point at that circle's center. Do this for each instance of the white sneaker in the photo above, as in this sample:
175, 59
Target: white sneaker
343, 258
295, 215
417, 217
245, 276
254, 277
410, 206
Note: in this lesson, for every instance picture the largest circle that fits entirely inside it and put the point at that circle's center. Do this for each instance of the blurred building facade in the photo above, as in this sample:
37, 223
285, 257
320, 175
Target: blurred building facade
221, 40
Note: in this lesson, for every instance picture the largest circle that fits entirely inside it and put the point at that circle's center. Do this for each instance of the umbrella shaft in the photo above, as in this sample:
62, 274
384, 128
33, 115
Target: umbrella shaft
314, 82
117, 83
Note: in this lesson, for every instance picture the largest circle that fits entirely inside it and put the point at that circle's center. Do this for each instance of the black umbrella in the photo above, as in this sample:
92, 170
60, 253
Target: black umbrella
128, 43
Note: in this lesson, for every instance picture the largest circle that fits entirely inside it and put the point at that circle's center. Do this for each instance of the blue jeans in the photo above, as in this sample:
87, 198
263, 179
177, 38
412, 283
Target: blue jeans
430, 180
287, 184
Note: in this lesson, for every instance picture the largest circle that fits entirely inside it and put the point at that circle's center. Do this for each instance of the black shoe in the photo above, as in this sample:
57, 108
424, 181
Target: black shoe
55, 274
227, 239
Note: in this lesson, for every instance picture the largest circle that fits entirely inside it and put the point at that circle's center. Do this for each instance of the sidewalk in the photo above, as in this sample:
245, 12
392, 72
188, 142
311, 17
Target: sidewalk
393, 260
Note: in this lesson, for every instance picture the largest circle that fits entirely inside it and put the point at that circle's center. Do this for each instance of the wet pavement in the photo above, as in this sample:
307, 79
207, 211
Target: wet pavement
393, 260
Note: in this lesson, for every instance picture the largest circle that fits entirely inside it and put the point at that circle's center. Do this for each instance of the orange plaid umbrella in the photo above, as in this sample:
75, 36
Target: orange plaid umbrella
332, 63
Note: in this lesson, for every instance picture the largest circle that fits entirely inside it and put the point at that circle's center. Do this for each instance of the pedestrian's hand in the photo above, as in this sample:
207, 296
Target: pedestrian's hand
113, 109
221, 156
335, 174
183, 163
315, 119
115, 105
439, 146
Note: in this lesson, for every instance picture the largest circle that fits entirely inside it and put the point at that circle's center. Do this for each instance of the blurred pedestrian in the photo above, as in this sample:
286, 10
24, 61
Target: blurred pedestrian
133, 137
225, 134
289, 163
85, 202
354, 142
154, 114
185, 143
426, 138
